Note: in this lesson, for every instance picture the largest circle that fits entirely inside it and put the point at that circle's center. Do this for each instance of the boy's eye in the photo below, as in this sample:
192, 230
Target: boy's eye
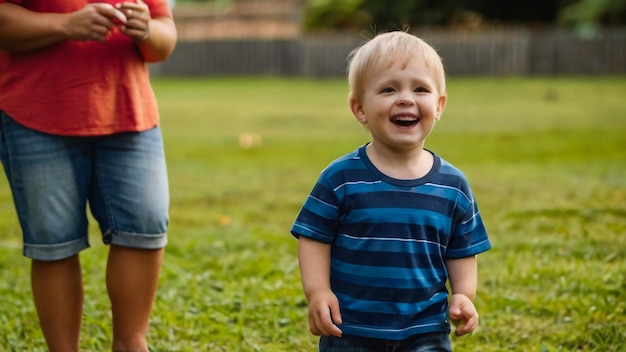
387, 90
421, 90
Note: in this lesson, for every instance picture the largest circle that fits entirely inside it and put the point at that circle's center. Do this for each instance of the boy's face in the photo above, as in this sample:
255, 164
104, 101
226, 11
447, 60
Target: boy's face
400, 104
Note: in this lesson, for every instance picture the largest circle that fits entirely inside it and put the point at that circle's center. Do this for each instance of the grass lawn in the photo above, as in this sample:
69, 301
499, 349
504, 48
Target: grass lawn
546, 158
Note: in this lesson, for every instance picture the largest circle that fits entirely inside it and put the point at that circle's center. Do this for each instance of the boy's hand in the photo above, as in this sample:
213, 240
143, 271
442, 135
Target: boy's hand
463, 314
324, 314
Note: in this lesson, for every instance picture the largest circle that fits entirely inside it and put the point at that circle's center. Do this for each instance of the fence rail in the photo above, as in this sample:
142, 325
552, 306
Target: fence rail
512, 52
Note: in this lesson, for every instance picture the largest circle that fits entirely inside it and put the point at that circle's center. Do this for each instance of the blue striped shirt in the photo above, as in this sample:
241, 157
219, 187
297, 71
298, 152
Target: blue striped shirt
390, 239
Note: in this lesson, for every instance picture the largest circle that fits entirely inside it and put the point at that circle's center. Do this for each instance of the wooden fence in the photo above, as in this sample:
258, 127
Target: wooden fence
510, 52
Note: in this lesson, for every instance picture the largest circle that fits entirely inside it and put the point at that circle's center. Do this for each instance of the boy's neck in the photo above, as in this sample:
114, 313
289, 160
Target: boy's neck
403, 165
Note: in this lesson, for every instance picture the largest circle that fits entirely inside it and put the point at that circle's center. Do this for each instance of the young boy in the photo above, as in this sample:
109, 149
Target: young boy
387, 225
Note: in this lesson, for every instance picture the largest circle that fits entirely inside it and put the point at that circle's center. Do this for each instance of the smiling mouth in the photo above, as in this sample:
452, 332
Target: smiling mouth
405, 121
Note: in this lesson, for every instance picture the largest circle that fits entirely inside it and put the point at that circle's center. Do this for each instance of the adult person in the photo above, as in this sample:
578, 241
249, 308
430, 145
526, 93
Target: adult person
79, 126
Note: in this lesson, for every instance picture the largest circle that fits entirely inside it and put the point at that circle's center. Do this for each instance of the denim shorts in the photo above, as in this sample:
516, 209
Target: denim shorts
430, 342
121, 177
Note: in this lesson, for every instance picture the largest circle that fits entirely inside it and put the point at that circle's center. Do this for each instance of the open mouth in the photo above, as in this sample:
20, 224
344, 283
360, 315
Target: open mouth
405, 121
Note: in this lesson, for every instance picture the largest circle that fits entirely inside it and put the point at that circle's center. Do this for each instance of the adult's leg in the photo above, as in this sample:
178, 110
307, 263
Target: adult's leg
132, 279
48, 176
58, 294
130, 200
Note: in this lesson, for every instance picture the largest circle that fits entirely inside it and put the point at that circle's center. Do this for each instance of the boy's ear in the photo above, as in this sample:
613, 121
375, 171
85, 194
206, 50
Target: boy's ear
357, 111
441, 105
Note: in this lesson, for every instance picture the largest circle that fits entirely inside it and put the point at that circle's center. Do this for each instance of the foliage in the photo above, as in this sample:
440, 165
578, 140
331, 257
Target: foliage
334, 14
548, 173
587, 15
398, 14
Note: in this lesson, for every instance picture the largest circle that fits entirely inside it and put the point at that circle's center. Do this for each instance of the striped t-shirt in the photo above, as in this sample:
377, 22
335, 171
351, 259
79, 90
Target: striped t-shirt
390, 239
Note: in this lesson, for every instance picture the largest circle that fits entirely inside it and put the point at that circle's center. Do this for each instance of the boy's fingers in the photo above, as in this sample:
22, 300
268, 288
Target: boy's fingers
455, 313
466, 326
336, 319
313, 325
336, 331
320, 323
326, 322
329, 327
335, 313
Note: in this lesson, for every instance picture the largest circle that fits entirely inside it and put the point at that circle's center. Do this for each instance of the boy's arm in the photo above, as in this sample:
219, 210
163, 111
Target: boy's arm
463, 274
314, 260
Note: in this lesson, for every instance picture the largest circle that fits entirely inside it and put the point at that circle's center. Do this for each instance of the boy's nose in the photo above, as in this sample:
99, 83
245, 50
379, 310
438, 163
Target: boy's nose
406, 99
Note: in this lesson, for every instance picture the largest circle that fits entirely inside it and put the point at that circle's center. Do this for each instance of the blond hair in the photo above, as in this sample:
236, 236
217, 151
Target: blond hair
392, 46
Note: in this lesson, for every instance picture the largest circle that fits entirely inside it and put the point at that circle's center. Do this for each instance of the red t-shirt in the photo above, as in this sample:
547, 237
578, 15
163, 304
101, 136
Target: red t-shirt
79, 88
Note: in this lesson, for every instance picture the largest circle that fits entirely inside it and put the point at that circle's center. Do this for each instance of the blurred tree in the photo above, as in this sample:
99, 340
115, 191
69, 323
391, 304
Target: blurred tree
398, 14
408, 12
588, 15
338, 14
529, 11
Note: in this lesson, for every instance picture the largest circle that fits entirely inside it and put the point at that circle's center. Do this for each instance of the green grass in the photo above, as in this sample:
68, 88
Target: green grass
546, 158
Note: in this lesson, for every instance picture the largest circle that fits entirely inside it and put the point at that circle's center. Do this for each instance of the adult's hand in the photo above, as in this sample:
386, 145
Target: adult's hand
138, 15
93, 22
